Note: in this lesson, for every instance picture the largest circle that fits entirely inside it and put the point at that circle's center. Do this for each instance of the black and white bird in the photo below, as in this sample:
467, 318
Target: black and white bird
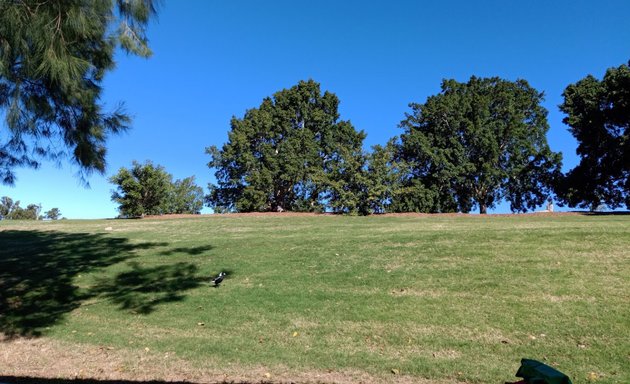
217, 280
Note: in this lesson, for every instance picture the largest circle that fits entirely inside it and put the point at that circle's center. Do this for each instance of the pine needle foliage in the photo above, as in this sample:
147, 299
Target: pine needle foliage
53, 59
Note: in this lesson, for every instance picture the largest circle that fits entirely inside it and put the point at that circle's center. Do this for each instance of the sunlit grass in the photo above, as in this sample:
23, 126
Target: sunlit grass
443, 298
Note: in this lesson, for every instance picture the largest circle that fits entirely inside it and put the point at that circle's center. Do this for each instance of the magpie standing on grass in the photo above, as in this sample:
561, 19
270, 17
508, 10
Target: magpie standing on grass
217, 280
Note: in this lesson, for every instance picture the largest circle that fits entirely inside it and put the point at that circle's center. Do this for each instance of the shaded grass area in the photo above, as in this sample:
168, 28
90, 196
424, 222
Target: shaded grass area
39, 380
39, 272
444, 298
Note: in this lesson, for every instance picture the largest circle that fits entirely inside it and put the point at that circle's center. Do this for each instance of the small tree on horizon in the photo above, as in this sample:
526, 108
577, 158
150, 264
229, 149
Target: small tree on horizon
186, 197
142, 190
147, 189
53, 214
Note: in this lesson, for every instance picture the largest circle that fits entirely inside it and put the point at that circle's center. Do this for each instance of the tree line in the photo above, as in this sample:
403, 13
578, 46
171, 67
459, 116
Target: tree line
469, 147
472, 146
11, 210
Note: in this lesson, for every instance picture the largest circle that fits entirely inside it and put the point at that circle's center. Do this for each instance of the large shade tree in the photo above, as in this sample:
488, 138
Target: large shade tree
291, 153
53, 59
598, 114
475, 144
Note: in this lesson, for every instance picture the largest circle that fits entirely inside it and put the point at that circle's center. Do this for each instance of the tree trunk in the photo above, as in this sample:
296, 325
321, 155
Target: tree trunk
482, 198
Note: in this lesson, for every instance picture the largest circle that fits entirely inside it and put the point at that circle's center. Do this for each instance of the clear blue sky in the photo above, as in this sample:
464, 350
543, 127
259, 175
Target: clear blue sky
215, 59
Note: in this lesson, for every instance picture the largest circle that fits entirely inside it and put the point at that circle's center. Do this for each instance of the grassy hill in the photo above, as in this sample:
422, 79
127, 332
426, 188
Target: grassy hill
410, 298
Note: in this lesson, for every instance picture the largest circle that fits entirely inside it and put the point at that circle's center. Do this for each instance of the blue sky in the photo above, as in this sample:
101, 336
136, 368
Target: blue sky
215, 59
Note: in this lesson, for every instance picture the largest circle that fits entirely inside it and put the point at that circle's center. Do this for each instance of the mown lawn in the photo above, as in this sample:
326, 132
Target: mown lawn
444, 298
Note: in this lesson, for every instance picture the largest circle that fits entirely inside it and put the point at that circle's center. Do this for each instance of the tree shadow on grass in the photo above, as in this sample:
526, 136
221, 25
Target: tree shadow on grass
140, 290
192, 251
38, 270
611, 213
38, 380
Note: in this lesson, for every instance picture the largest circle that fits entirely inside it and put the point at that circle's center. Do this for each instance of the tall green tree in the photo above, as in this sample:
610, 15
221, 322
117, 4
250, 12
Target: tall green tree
291, 153
475, 144
53, 59
142, 190
598, 116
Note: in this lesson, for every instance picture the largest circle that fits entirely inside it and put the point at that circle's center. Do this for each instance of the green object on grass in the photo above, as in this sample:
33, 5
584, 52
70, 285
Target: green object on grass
535, 372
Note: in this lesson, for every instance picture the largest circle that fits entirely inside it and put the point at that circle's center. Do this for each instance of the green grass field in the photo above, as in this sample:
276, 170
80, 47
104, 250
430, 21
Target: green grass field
443, 298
